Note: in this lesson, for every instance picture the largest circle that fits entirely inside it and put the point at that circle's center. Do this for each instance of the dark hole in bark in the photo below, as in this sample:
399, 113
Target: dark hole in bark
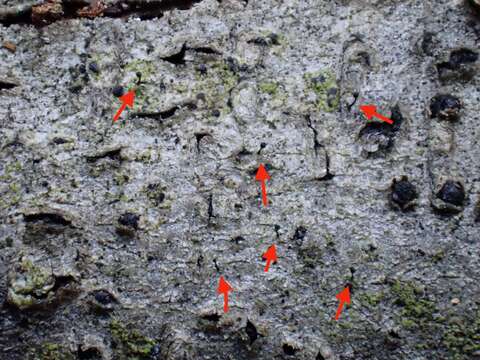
5, 85
251, 332
289, 349
211, 317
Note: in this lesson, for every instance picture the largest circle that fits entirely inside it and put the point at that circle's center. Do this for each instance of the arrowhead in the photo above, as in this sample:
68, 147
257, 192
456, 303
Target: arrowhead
223, 286
128, 98
344, 295
271, 253
369, 111
262, 174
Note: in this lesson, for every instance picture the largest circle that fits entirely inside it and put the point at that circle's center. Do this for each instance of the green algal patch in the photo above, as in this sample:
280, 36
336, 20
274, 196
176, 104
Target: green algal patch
30, 283
324, 84
52, 351
131, 344
140, 73
415, 308
268, 87
371, 299
216, 84
462, 337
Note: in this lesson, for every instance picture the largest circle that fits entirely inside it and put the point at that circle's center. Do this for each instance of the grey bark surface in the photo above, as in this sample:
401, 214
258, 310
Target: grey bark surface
113, 237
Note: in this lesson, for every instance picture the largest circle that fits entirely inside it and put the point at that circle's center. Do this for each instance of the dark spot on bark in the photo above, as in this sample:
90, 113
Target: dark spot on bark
428, 43
155, 194
458, 65
445, 107
477, 211
156, 351
403, 193
319, 357
210, 207
462, 56
232, 64
238, 239
118, 91
251, 331
59, 141
94, 67
216, 113
289, 349
202, 69
452, 192
299, 235
104, 297
112, 154
47, 218
129, 220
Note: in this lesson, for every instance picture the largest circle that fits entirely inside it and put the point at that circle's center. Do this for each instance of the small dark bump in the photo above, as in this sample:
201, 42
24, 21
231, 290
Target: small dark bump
156, 351
274, 38
129, 220
216, 113
94, 67
300, 233
403, 193
452, 192
118, 91
445, 107
104, 297
202, 69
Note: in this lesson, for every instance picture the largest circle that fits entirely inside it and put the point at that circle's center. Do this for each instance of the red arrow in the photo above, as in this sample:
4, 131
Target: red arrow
370, 111
270, 255
223, 288
344, 297
127, 100
262, 175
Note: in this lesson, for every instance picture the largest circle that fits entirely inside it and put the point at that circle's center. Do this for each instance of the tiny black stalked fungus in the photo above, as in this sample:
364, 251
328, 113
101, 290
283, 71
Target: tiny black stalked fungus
452, 192
129, 220
403, 193
445, 107
118, 91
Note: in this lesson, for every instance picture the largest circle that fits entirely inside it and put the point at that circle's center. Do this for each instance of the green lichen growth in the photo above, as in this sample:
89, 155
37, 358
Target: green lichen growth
133, 345
324, 85
216, 84
371, 299
414, 307
462, 337
29, 283
268, 87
